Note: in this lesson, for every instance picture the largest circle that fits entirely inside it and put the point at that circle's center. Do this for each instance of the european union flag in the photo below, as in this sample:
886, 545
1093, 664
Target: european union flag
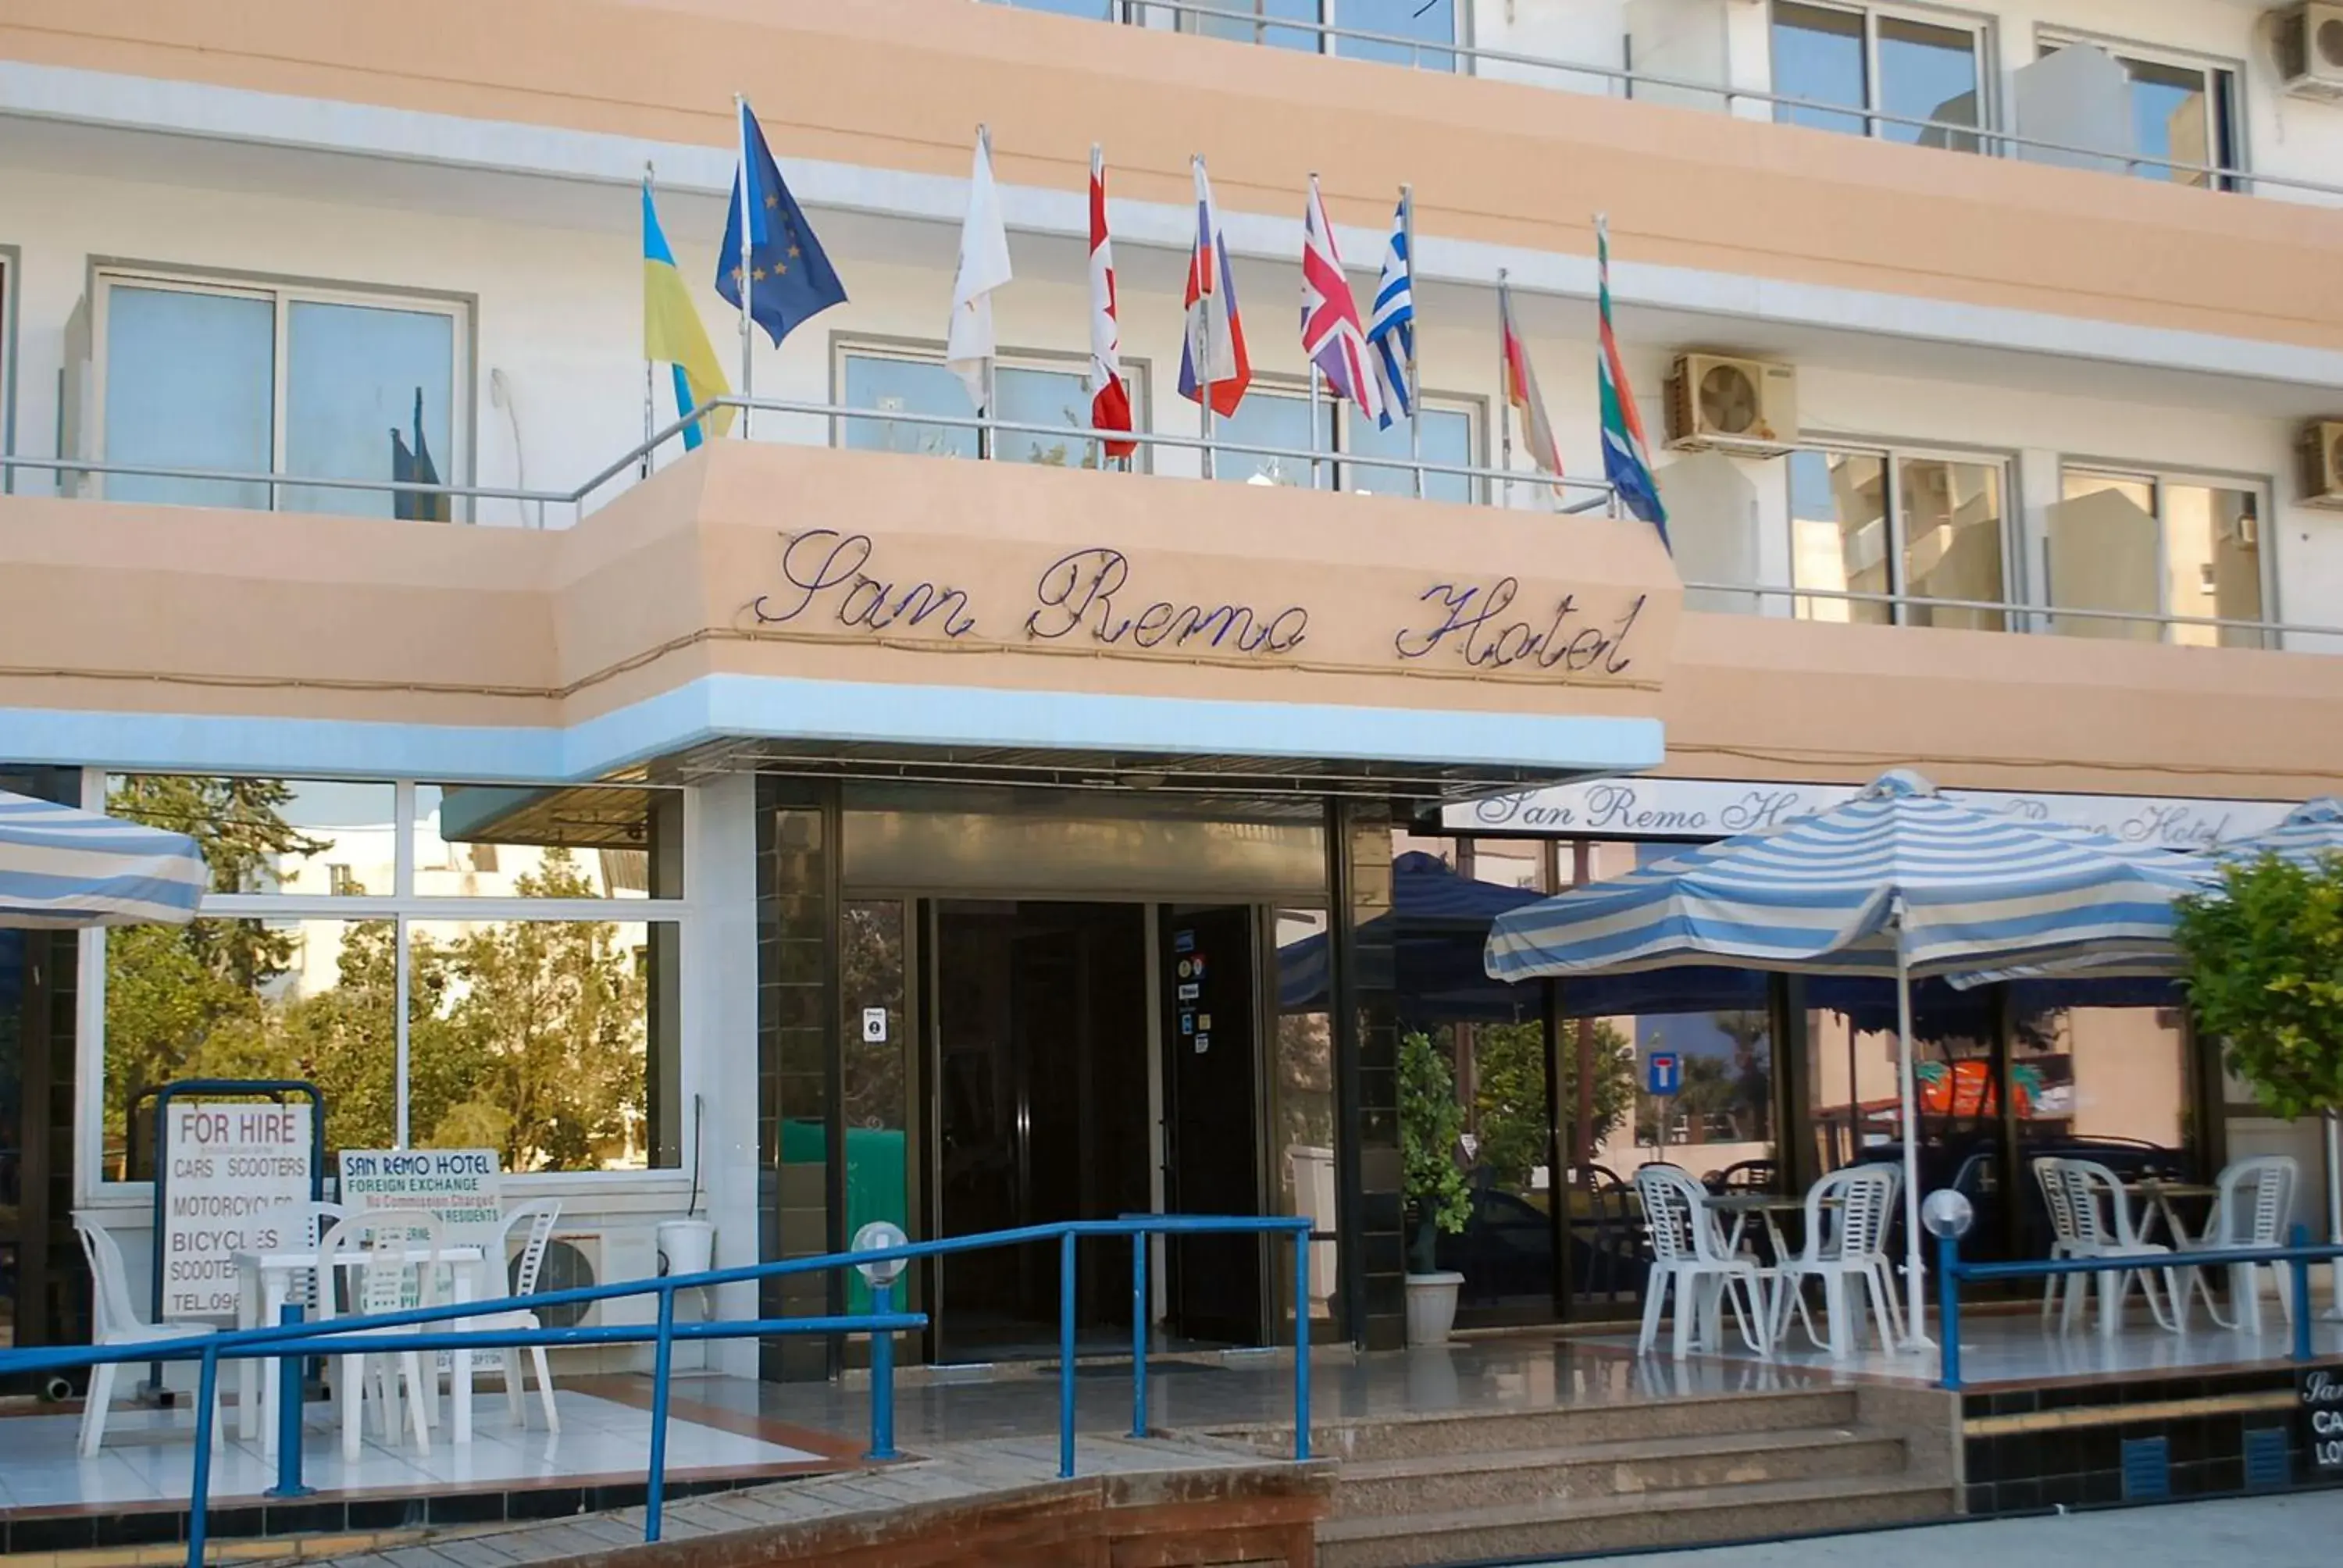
790, 279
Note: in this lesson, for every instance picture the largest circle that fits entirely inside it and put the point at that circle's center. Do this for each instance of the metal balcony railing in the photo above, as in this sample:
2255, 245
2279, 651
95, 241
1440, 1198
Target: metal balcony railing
1507, 488
1224, 21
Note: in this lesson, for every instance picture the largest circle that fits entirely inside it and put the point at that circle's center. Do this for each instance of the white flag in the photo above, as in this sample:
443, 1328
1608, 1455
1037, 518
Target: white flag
983, 267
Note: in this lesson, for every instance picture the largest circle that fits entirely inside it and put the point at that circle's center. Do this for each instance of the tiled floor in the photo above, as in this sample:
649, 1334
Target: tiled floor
147, 1457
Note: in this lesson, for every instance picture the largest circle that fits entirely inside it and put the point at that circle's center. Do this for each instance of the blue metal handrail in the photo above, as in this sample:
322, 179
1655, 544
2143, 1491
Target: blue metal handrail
294, 1339
1951, 1271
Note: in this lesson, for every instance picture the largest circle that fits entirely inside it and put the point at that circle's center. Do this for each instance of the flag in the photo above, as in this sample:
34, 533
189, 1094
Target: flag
1215, 346
1521, 390
413, 466
1626, 455
672, 332
1332, 334
790, 279
1392, 333
1110, 398
983, 267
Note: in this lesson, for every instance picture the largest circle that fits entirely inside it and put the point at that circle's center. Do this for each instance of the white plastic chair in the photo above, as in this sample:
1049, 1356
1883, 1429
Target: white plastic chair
2255, 1199
118, 1323
535, 1219
2064, 1234
382, 1238
1846, 1242
2104, 1227
1689, 1253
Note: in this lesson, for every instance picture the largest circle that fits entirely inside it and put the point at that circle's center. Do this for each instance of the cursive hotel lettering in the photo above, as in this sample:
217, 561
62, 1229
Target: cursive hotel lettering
824, 561
1475, 621
1080, 590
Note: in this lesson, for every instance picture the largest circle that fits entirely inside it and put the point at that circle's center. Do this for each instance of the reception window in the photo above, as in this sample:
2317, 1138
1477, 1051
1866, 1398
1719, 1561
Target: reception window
516, 985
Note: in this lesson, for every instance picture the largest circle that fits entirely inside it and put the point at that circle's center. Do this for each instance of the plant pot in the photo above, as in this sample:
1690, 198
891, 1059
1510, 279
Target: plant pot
1431, 1307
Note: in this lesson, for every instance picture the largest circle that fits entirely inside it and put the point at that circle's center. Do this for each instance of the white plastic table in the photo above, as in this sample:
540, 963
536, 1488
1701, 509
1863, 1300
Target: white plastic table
264, 1284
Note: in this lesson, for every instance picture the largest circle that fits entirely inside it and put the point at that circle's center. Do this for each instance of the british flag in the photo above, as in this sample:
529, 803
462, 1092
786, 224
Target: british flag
1332, 336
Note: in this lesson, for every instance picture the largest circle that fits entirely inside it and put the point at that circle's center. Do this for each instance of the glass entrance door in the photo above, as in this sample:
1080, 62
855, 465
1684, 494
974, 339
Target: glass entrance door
1042, 1106
1213, 1077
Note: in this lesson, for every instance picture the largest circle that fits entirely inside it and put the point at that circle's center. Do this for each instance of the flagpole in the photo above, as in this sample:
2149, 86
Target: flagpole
1504, 391
988, 439
649, 177
1414, 377
748, 344
1205, 359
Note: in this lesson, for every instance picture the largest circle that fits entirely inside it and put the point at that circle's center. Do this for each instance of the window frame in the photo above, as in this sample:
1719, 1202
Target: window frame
406, 908
1984, 29
1324, 14
108, 273
2159, 480
2231, 130
1339, 458
1893, 456
1136, 379
11, 268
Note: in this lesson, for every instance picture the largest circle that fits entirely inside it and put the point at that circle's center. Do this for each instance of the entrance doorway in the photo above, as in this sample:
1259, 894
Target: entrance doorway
1046, 1018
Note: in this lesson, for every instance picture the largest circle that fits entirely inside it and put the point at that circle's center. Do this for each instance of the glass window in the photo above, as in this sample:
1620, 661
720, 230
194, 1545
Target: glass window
2114, 1077
1839, 534
1029, 397
899, 388
367, 396
1089, 10
369, 392
2182, 112
1424, 22
1302, 1108
1819, 55
2149, 545
1254, 22
1927, 72
492, 842
1273, 418
190, 383
293, 836
535, 1038
1447, 439
1916, 67
1952, 516
2212, 540
251, 998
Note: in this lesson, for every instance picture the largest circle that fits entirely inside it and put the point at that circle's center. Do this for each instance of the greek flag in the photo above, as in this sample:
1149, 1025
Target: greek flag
1392, 333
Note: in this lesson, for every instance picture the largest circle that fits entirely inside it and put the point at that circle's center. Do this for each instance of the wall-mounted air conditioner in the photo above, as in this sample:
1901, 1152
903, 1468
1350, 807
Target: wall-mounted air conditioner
1735, 405
2322, 463
2309, 40
601, 1255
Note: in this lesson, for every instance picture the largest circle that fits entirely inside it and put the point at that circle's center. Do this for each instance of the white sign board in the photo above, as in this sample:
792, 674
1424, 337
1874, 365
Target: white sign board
461, 1186
1702, 808
239, 1175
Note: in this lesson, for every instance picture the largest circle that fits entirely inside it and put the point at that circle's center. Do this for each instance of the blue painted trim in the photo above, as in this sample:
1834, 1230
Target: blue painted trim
757, 708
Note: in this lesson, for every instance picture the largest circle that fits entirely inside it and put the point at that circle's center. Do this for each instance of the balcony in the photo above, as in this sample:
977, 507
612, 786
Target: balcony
1931, 78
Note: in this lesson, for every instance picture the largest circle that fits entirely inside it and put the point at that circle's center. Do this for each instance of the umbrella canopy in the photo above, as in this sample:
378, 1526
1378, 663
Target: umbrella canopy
1896, 878
1832, 892
2311, 830
62, 869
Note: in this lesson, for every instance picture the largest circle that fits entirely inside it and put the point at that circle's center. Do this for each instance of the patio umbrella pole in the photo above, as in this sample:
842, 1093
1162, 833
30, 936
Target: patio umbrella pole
1914, 1291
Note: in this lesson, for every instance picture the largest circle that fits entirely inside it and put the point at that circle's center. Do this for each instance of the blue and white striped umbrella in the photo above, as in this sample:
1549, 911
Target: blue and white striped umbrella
1833, 891
61, 867
2311, 831
1897, 881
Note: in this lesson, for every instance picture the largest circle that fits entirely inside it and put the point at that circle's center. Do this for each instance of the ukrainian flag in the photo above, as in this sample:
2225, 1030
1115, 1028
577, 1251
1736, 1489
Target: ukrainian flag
672, 332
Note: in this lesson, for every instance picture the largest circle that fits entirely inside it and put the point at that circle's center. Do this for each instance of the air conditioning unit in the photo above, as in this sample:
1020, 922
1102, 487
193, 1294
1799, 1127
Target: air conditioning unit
2309, 39
2322, 463
1734, 405
601, 1255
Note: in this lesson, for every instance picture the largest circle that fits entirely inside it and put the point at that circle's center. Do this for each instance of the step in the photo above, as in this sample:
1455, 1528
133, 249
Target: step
1562, 1426
1697, 1517
1437, 1484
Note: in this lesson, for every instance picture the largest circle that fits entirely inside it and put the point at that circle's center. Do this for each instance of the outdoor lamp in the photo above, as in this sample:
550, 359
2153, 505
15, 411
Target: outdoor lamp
1945, 1213
876, 1237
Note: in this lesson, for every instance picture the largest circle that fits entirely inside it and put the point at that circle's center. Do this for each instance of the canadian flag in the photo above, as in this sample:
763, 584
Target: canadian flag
1110, 398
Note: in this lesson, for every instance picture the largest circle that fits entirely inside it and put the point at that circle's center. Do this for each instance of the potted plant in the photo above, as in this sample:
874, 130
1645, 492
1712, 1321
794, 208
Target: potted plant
1431, 1125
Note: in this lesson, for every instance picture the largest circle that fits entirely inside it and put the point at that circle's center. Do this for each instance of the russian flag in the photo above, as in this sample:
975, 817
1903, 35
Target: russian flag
1214, 351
